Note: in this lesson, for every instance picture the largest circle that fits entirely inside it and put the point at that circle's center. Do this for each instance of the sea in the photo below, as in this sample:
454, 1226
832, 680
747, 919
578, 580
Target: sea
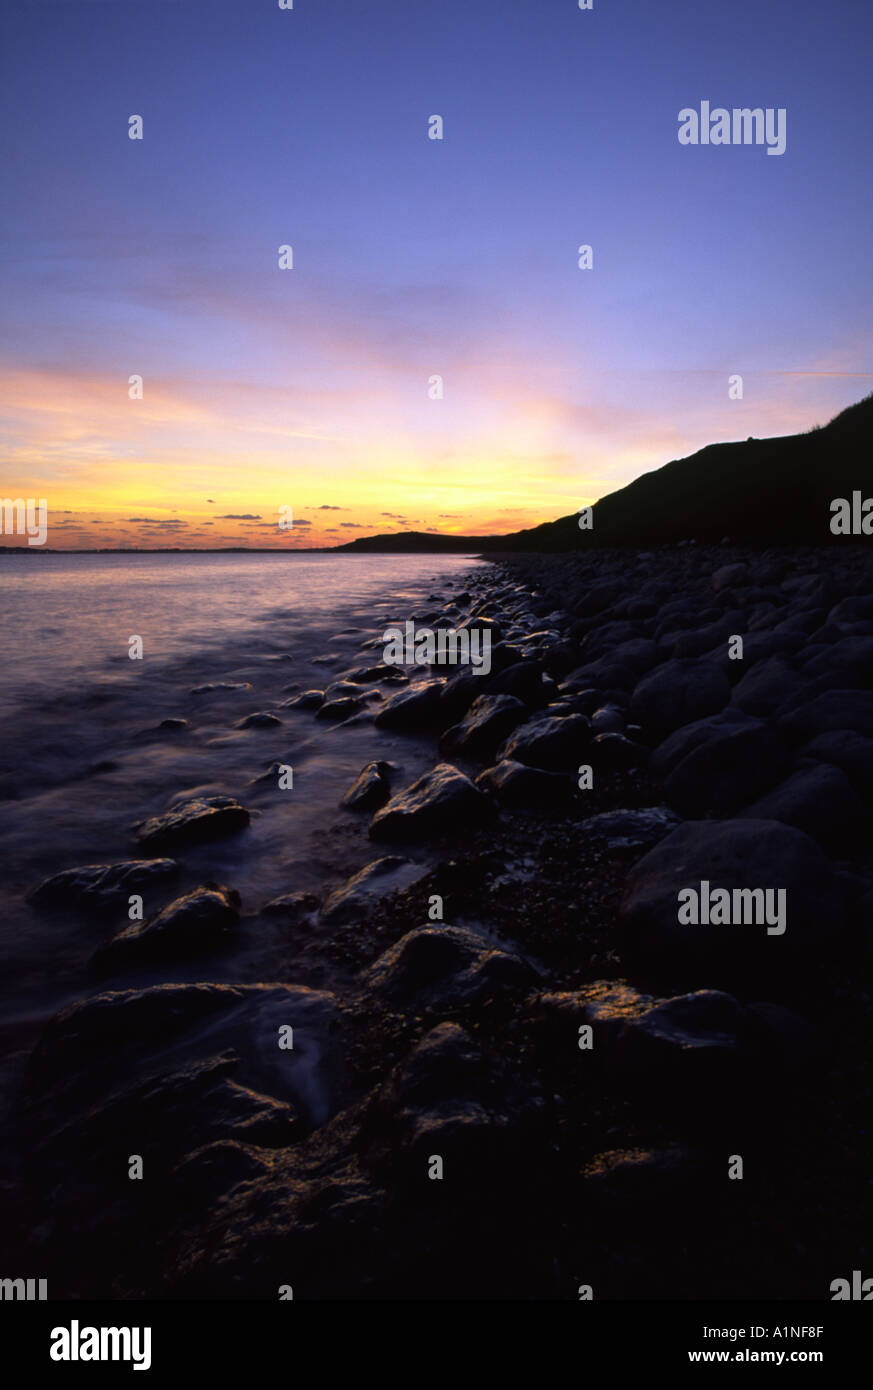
82, 757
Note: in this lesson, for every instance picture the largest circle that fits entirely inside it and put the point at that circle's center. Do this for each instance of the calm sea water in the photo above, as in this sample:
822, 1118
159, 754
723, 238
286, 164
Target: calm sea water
70, 616
82, 758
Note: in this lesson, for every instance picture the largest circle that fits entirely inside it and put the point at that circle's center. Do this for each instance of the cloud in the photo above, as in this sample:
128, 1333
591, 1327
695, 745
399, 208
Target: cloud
211, 499
356, 525
156, 521
240, 516
326, 507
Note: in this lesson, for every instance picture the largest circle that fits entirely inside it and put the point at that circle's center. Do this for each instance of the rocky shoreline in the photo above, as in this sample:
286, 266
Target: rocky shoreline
521, 1002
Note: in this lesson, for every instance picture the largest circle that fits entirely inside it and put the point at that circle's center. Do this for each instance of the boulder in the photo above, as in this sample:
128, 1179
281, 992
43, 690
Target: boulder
310, 699
442, 800
849, 751
550, 743
608, 719
219, 687
526, 788
524, 681
733, 855
371, 789
486, 724
677, 693
193, 822
445, 965
828, 712
203, 921
766, 686
616, 753
261, 719
700, 640
719, 764
685, 1048
343, 707
730, 576
415, 707
99, 1058
353, 899
452, 1099
818, 800
103, 887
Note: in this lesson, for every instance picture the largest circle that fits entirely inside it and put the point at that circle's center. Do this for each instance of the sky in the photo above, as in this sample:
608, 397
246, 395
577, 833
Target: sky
312, 388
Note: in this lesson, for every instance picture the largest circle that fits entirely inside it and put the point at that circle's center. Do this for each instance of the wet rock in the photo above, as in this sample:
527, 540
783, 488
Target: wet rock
173, 725
414, 708
99, 1057
365, 675
295, 905
440, 801
310, 699
193, 822
732, 855
446, 965
550, 743
339, 709
608, 719
458, 694
482, 625
677, 693
693, 1045
180, 1109
103, 887
487, 723
526, 788
261, 719
202, 921
216, 687
354, 899
272, 774
371, 789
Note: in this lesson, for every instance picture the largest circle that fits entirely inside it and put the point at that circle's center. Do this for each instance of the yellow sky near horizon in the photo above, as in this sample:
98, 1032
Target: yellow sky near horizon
206, 463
